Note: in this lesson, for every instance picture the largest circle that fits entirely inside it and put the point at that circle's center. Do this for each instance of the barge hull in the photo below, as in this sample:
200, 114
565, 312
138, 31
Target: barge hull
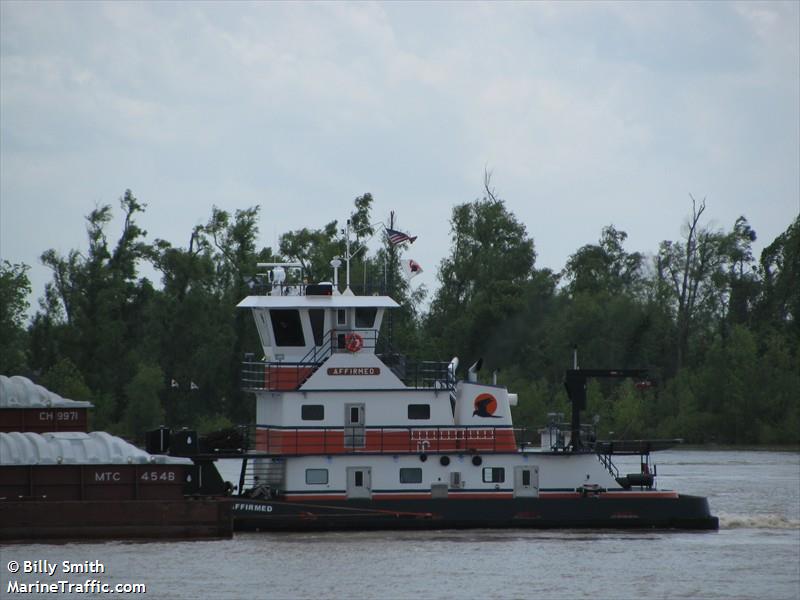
37, 520
593, 512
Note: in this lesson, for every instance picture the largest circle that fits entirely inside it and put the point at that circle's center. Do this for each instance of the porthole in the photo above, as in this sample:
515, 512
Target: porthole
477, 461
444, 461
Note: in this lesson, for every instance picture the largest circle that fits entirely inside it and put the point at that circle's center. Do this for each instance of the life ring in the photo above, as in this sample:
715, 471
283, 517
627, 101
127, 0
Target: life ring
353, 342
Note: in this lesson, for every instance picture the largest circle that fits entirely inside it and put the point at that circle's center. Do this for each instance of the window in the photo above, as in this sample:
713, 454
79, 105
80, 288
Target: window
317, 317
316, 476
341, 316
365, 317
312, 412
355, 415
526, 477
359, 479
411, 475
287, 327
494, 474
419, 411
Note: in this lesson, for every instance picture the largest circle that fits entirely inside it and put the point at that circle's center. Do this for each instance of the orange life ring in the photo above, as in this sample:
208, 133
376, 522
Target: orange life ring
353, 342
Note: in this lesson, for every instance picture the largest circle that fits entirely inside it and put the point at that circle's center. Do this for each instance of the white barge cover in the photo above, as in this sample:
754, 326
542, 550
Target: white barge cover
75, 448
21, 392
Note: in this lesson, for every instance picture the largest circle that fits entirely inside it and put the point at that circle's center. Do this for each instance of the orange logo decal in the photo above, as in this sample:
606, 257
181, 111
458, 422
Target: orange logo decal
485, 405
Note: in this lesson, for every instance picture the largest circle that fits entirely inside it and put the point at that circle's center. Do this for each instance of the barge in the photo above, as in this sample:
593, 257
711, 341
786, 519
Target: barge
72, 484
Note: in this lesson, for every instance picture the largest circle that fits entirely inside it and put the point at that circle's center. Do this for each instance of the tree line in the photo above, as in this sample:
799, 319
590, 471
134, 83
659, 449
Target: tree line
716, 326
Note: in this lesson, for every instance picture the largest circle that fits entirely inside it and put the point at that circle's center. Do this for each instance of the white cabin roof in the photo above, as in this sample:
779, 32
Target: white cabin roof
75, 448
318, 302
21, 392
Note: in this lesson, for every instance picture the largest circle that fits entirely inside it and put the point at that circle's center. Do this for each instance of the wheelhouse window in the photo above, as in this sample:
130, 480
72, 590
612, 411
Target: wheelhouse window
365, 317
317, 318
312, 412
411, 475
419, 411
316, 476
494, 475
287, 327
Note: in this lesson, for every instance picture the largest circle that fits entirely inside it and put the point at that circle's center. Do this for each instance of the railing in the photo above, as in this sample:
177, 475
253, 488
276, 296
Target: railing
285, 376
606, 461
265, 288
391, 440
261, 477
276, 376
424, 374
262, 287
336, 340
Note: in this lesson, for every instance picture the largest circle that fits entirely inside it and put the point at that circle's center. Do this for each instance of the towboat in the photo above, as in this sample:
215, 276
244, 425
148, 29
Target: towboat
351, 435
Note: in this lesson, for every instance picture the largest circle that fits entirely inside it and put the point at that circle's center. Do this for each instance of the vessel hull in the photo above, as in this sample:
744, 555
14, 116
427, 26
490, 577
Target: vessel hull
48, 520
575, 512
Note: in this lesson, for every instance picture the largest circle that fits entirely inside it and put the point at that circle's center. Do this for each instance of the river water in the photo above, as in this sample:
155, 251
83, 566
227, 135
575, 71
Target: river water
756, 553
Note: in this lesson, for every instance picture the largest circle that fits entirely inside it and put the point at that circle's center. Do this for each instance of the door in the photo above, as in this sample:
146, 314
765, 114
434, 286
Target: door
359, 482
526, 481
342, 327
354, 434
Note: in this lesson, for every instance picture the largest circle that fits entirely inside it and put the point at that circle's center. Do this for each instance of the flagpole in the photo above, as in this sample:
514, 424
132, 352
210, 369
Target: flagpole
390, 329
347, 256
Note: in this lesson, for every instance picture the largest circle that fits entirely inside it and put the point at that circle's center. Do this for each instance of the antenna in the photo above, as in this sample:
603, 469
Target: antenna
336, 263
347, 256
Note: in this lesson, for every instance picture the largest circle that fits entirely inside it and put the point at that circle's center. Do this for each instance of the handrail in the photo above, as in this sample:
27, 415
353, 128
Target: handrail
397, 440
290, 375
606, 461
422, 374
333, 341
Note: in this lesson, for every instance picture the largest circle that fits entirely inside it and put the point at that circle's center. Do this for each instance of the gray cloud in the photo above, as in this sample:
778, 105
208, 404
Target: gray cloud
587, 113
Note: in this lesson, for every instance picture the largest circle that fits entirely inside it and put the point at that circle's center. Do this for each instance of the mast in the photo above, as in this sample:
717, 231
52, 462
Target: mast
390, 285
347, 257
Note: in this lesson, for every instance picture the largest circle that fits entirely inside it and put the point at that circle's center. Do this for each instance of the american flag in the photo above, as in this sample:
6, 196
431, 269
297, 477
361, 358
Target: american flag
398, 237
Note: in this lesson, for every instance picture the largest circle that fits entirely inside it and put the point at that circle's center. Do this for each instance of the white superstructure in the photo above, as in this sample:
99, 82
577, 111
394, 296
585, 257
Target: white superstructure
340, 415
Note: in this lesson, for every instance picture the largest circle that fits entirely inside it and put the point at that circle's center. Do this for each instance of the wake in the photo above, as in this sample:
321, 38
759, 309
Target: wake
757, 522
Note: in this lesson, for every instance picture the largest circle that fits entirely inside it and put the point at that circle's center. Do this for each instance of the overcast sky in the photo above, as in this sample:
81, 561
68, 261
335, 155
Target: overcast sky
587, 114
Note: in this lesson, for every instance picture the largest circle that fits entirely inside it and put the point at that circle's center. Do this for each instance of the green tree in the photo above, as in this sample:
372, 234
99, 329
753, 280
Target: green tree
314, 249
93, 308
483, 280
743, 283
689, 274
14, 290
604, 267
234, 237
65, 379
778, 306
143, 410
236, 264
192, 320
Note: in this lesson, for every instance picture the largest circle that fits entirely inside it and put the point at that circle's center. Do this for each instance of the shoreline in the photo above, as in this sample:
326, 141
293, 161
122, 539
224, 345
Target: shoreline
742, 447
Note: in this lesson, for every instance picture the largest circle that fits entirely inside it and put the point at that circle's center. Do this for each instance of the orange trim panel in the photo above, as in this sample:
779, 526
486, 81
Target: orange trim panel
412, 441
